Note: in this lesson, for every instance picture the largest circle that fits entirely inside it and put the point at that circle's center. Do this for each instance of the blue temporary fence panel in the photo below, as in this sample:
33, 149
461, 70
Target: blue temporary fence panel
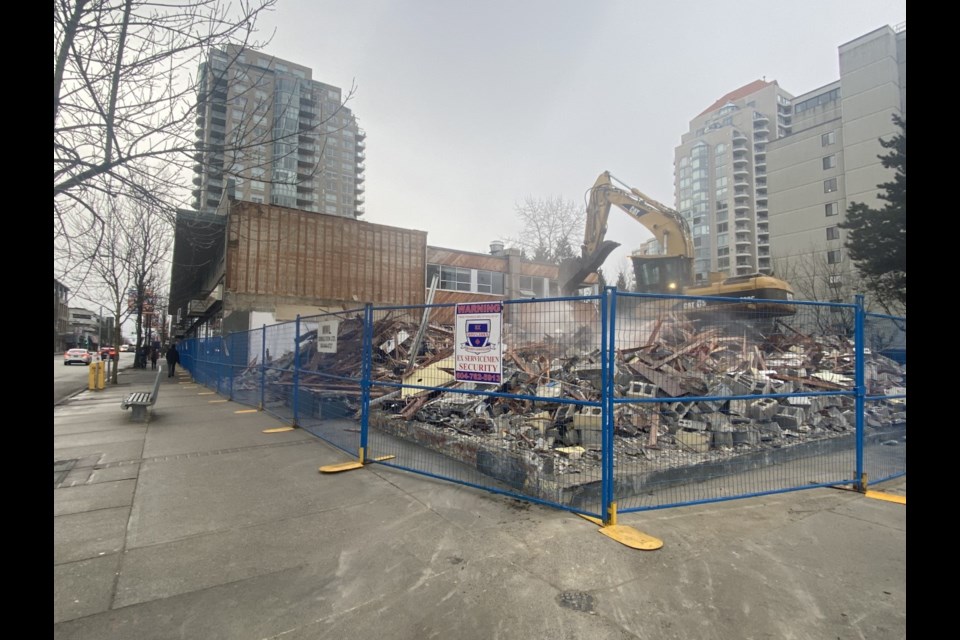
885, 408
599, 404
501, 437
715, 405
330, 355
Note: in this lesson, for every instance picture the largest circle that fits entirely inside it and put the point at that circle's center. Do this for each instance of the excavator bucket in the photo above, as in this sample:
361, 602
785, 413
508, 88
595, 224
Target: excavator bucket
573, 271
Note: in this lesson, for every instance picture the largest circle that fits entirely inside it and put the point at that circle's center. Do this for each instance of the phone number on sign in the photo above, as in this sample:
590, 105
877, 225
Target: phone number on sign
473, 376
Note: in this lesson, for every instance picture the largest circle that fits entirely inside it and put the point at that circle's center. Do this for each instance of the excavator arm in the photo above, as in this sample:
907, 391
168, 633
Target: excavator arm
668, 227
670, 271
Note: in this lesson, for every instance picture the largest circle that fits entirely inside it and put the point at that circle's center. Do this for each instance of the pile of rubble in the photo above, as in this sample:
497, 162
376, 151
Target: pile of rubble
654, 419
672, 383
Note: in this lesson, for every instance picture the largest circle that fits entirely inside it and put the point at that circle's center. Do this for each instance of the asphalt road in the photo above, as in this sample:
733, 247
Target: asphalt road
71, 379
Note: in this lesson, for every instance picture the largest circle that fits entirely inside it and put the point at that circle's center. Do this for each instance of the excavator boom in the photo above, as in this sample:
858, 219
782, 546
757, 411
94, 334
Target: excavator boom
667, 226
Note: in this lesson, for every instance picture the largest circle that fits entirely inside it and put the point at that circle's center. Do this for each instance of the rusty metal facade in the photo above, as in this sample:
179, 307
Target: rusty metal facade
297, 255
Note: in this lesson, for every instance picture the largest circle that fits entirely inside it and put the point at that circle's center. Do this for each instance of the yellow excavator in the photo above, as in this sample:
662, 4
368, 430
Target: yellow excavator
671, 271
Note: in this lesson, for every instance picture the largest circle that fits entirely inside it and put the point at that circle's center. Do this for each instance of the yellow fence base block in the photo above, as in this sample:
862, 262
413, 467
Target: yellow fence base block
625, 535
279, 429
215, 401
248, 411
350, 466
631, 537
889, 497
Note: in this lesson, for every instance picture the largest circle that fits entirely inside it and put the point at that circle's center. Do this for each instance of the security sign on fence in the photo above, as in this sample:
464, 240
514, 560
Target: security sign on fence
327, 336
478, 356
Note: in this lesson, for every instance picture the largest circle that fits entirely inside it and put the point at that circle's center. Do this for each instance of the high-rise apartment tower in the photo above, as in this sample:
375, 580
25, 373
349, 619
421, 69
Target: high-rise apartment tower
721, 179
272, 134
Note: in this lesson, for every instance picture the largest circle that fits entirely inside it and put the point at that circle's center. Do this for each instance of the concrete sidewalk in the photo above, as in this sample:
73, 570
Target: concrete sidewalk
198, 525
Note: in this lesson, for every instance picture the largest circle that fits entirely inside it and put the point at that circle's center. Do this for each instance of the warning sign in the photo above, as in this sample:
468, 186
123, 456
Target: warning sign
478, 355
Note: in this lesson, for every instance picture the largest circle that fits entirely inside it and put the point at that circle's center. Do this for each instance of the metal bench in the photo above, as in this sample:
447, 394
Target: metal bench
140, 400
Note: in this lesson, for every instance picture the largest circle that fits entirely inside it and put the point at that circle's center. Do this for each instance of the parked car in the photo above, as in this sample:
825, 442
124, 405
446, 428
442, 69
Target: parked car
77, 355
124, 348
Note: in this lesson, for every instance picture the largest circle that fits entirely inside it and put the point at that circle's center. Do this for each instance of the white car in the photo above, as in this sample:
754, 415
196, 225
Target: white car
77, 355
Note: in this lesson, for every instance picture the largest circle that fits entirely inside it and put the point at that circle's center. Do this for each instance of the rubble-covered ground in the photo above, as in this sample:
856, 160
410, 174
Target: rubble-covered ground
660, 364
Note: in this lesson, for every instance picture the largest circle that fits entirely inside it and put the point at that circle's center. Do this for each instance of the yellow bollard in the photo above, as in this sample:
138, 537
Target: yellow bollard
96, 381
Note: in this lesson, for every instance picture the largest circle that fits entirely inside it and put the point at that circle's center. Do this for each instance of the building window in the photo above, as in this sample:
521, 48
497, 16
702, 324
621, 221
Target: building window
451, 278
834, 257
722, 211
722, 227
489, 282
831, 209
256, 185
833, 233
829, 162
828, 138
723, 263
722, 239
461, 279
829, 185
824, 98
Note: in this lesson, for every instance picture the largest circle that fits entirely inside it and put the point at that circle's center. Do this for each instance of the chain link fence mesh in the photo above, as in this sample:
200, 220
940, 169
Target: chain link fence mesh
717, 399
647, 401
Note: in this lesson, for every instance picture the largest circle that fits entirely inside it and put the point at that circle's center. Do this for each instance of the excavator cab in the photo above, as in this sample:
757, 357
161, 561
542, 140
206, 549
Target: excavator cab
661, 274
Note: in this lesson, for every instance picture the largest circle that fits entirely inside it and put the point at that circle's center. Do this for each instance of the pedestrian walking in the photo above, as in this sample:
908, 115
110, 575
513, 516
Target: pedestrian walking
154, 356
173, 357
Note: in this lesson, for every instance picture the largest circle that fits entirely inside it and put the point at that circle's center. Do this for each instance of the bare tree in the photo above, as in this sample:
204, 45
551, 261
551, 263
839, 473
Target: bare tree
552, 228
131, 79
815, 279
127, 94
125, 264
623, 283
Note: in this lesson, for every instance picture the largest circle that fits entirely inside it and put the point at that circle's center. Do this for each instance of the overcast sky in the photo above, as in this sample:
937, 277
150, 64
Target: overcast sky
470, 107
